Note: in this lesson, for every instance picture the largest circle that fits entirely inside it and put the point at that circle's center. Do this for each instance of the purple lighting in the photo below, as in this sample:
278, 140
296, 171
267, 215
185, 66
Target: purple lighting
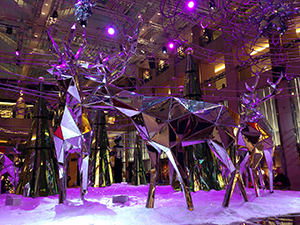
191, 4
17, 52
171, 45
111, 31
209, 85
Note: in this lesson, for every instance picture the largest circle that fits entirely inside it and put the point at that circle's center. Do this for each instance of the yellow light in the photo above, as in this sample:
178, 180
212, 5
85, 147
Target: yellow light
255, 51
3, 141
298, 30
219, 67
7, 103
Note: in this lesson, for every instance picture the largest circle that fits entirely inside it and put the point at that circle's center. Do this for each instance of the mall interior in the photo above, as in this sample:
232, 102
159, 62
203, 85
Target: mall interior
234, 44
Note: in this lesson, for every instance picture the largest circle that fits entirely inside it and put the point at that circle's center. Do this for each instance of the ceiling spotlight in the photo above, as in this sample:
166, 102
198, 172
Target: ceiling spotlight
54, 14
171, 45
111, 31
9, 30
17, 52
83, 23
212, 4
209, 85
191, 4
164, 49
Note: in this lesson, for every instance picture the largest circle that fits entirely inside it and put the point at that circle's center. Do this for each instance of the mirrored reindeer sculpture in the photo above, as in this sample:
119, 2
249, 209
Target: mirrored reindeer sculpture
75, 132
254, 138
164, 122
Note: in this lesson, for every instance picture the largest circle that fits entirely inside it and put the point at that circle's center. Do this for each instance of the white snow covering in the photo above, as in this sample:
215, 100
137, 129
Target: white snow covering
169, 207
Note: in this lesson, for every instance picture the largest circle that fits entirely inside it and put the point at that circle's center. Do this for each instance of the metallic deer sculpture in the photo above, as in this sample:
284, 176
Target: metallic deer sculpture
164, 122
74, 132
255, 133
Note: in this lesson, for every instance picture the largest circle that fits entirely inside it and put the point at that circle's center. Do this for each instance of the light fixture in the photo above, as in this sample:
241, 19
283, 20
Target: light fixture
17, 52
260, 49
209, 85
53, 17
9, 30
83, 23
43, 13
212, 4
164, 49
111, 31
54, 14
191, 4
171, 45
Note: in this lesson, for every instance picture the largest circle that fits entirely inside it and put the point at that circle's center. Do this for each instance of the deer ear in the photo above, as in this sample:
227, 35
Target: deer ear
271, 83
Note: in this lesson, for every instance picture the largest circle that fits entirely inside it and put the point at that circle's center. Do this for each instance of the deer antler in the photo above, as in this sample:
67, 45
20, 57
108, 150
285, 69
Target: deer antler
251, 101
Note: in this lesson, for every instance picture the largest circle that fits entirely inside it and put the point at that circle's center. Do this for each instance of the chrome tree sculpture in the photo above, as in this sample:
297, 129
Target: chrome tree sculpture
255, 133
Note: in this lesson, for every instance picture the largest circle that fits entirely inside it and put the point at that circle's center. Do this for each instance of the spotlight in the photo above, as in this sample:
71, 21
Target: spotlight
171, 45
164, 49
212, 4
17, 52
54, 14
83, 23
209, 85
191, 4
111, 31
9, 30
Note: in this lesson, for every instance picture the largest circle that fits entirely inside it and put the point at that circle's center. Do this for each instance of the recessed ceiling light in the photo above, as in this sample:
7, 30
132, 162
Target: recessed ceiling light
191, 33
46, 4
158, 14
43, 13
35, 35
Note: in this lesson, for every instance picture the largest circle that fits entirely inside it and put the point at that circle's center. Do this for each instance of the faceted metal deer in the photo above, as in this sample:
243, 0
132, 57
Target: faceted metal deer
164, 122
74, 132
255, 133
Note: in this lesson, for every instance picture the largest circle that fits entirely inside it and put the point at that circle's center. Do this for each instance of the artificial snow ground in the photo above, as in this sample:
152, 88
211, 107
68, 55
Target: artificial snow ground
169, 208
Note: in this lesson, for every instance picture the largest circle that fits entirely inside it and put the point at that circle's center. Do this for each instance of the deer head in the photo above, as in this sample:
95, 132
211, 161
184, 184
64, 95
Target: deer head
251, 101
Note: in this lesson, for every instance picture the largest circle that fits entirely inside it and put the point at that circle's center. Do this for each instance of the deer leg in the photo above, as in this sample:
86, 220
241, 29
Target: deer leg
154, 157
254, 183
235, 177
62, 168
261, 180
83, 162
269, 160
182, 178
